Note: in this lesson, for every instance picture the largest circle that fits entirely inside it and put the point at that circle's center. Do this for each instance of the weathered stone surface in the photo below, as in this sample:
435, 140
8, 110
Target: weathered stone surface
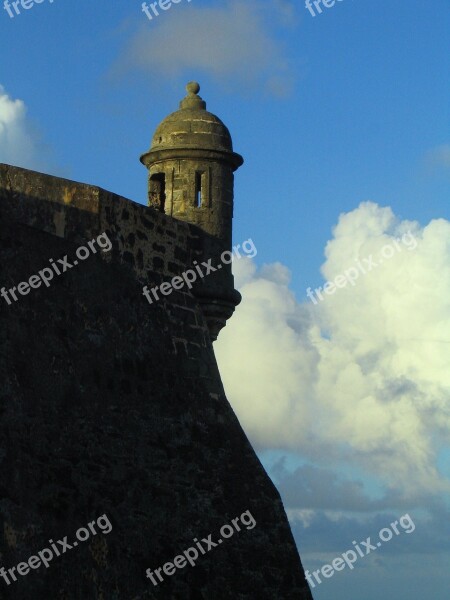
191, 166
110, 405
78, 211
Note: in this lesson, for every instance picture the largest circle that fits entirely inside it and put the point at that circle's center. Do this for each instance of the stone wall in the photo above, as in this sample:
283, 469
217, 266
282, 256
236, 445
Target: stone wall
155, 246
110, 405
215, 212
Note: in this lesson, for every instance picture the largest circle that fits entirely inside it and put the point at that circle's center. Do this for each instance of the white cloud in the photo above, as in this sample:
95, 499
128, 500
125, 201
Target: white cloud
234, 43
361, 377
20, 143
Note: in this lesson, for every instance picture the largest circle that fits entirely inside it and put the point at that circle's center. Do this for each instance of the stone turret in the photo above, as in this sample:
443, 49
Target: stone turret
191, 166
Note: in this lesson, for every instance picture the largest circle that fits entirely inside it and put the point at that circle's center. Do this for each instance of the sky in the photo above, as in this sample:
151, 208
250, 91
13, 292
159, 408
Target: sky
343, 121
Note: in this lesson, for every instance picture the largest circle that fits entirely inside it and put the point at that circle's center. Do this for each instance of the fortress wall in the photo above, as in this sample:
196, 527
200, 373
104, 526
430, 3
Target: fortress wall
109, 405
157, 247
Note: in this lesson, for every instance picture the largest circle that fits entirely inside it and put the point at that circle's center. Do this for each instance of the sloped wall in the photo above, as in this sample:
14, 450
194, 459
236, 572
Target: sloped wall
111, 406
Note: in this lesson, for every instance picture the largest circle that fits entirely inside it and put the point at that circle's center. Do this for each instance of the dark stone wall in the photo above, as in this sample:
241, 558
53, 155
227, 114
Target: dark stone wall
154, 245
109, 405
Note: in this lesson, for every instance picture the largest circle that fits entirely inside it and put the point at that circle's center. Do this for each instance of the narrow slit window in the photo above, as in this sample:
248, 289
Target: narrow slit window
157, 192
198, 189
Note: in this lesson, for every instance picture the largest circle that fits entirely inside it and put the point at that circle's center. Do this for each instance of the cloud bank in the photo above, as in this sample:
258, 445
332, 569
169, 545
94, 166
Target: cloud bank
361, 378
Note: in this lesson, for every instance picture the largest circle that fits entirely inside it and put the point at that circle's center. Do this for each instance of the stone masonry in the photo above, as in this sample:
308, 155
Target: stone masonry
110, 405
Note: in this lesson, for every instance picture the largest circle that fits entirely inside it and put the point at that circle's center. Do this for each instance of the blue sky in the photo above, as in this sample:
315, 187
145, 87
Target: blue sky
343, 121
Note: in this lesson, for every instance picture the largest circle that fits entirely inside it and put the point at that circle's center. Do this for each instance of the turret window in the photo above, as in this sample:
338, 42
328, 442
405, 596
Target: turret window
200, 188
157, 191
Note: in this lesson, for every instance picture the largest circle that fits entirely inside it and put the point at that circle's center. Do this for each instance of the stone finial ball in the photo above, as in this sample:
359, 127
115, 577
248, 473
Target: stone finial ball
193, 87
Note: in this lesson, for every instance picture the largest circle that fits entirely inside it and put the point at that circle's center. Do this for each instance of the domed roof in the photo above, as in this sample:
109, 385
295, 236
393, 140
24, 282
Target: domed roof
192, 127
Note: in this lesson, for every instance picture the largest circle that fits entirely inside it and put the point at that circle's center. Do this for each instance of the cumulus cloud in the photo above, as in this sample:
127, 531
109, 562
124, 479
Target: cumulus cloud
20, 143
361, 377
234, 43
